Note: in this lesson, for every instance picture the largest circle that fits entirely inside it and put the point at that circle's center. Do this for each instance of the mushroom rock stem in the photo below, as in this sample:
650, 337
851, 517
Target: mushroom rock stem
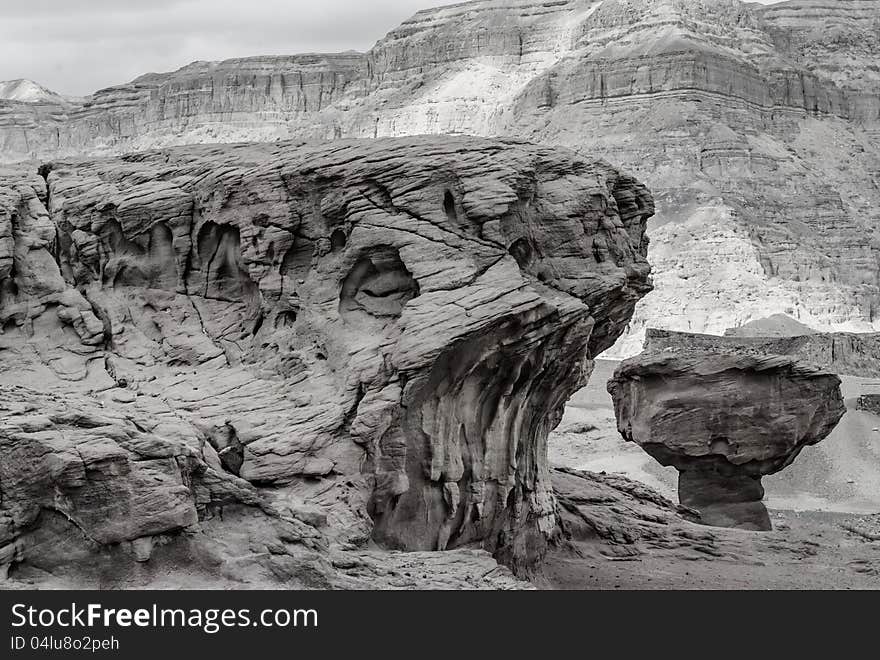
724, 500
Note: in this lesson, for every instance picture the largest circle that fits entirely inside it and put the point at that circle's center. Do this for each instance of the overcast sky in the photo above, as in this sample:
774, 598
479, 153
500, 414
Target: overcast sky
79, 46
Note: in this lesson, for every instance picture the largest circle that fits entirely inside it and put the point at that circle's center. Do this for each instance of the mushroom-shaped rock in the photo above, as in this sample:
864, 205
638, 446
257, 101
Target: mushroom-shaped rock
724, 421
382, 330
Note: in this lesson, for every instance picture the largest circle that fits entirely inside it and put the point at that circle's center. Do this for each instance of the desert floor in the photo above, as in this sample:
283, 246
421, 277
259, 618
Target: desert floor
824, 536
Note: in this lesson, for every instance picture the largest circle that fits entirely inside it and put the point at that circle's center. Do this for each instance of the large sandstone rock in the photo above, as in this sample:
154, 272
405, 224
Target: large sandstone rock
371, 339
755, 126
724, 420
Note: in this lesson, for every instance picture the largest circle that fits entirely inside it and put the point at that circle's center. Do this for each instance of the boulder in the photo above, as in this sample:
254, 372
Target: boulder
375, 337
724, 420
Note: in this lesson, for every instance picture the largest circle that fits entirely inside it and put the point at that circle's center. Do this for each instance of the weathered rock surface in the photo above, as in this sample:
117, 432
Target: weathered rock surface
756, 127
620, 533
353, 342
95, 495
724, 420
851, 353
869, 403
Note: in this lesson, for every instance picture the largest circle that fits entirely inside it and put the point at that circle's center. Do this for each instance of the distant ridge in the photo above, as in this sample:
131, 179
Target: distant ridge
27, 91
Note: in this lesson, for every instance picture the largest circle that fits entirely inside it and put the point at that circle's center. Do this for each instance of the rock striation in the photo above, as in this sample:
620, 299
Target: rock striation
724, 420
609, 519
850, 353
255, 98
869, 403
275, 350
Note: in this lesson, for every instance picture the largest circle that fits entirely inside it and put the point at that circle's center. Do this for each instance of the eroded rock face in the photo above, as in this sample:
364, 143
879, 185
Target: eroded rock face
373, 336
850, 353
724, 420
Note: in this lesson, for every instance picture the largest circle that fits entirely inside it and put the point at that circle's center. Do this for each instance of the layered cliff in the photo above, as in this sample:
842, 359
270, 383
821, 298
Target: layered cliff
835, 40
352, 341
756, 127
256, 98
765, 174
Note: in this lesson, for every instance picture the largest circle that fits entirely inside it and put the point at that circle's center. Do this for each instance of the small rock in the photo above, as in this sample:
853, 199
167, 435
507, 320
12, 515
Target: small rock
142, 548
123, 396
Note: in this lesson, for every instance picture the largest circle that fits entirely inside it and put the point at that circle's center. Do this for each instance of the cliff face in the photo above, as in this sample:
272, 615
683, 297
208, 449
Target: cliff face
732, 132
369, 338
834, 40
256, 98
756, 127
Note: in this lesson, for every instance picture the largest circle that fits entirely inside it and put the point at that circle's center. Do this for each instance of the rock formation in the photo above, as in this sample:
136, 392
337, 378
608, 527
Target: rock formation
869, 403
724, 420
775, 325
850, 353
756, 127
272, 350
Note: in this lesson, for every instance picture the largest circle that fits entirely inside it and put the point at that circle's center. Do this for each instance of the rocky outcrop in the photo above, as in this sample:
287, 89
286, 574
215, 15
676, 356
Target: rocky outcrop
869, 403
850, 353
724, 420
99, 495
371, 339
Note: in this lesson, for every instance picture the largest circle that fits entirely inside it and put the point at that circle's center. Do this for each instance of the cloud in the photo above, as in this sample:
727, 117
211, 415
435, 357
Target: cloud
79, 46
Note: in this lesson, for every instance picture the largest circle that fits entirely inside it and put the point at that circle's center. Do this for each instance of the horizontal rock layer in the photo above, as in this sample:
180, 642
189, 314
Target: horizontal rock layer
853, 354
376, 336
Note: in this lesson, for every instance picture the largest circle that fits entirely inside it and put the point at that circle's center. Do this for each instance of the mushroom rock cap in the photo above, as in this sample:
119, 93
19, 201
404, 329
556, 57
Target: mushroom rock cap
738, 413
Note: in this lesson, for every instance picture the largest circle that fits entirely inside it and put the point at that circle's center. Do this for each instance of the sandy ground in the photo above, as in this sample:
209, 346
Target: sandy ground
806, 550
587, 438
814, 505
